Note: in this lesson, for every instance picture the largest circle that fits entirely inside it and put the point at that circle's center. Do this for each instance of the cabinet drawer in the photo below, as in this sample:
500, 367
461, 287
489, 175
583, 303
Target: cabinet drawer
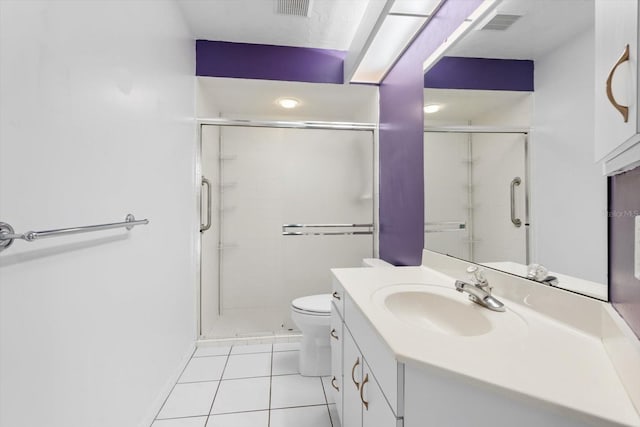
338, 298
388, 373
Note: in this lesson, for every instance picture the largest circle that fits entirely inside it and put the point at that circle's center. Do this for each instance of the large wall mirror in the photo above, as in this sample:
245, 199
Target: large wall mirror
510, 176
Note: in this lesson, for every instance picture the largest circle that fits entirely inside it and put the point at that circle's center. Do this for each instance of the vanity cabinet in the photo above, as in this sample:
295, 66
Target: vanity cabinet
337, 338
617, 126
365, 373
364, 404
402, 372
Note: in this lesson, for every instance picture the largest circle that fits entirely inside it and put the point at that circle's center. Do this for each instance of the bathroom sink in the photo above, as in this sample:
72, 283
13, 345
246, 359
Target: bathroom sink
440, 309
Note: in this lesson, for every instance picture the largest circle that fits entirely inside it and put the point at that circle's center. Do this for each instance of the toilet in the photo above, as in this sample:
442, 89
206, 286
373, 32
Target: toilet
312, 315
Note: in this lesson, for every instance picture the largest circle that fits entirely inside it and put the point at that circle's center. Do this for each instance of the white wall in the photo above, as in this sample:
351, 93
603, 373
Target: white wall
95, 122
568, 194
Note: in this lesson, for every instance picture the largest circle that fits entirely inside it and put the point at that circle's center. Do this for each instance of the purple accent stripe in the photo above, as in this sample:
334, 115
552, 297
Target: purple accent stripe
401, 135
624, 205
481, 73
267, 62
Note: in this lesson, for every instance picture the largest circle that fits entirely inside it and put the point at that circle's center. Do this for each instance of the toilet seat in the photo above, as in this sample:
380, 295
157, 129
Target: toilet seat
313, 305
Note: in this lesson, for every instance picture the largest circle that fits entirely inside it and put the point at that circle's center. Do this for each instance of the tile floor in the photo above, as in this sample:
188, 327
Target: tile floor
254, 385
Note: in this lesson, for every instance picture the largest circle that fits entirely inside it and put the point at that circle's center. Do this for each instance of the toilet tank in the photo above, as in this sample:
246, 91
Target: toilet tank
375, 262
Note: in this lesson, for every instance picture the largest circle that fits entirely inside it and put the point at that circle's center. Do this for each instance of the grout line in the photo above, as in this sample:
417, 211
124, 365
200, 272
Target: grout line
196, 382
284, 375
324, 391
240, 412
174, 386
330, 418
326, 399
242, 378
249, 352
212, 355
301, 406
288, 375
217, 390
181, 418
253, 352
270, 385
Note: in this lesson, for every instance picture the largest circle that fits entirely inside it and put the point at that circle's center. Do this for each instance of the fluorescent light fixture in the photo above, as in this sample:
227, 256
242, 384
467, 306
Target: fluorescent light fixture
394, 34
414, 7
432, 108
467, 25
395, 30
287, 103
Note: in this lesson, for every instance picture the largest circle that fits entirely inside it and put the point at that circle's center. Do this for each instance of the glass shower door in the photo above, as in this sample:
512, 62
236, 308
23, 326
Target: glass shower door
269, 177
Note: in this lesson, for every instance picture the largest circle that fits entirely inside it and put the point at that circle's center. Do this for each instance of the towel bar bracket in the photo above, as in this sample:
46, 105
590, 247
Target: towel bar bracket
5, 229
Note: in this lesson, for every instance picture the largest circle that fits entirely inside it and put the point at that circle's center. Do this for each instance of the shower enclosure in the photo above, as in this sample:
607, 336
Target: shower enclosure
476, 193
282, 203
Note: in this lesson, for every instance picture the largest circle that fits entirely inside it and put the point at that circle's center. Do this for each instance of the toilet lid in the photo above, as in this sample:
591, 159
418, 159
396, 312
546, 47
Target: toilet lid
314, 303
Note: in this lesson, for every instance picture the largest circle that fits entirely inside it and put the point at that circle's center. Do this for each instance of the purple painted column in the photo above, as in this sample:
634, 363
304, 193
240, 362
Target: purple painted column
624, 205
401, 140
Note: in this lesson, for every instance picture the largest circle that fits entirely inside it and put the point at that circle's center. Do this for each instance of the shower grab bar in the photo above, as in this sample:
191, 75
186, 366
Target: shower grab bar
325, 225
444, 226
319, 233
285, 232
207, 225
7, 234
516, 221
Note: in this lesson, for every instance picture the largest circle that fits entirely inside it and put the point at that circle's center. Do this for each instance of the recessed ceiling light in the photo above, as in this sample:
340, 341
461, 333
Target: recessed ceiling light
287, 103
432, 108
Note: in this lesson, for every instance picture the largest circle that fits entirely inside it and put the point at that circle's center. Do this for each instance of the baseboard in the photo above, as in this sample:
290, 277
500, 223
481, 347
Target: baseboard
269, 339
166, 389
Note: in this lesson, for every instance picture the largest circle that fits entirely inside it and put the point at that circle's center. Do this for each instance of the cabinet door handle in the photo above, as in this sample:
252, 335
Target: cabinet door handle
621, 108
333, 384
353, 373
333, 334
336, 295
364, 402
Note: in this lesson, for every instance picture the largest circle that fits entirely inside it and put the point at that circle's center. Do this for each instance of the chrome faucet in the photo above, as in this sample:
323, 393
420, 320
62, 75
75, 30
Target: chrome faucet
480, 291
539, 273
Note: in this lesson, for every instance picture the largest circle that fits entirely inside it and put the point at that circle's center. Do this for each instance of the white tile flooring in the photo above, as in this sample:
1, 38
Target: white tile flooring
254, 385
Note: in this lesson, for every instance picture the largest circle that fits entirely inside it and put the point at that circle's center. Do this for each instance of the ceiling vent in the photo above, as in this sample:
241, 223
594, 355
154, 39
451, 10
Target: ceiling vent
501, 22
293, 7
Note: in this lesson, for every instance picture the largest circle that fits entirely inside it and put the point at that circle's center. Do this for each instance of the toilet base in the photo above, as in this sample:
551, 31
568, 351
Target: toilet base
315, 356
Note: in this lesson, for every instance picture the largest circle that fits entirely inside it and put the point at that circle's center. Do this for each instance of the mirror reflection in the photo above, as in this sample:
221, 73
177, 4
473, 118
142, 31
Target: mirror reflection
510, 177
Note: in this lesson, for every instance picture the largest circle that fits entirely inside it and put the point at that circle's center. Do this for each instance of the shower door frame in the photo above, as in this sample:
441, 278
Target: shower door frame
470, 129
226, 122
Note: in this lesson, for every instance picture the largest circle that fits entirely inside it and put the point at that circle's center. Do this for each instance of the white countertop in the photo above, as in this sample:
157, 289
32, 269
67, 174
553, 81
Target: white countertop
537, 357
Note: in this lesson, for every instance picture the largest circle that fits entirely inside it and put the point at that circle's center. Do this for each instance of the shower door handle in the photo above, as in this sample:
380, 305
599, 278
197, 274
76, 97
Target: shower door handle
205, 227
516, 221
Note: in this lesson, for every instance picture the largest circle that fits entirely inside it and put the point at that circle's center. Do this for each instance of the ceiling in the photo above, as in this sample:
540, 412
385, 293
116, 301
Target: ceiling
545, 25
331, 24
240, 99
462, 106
